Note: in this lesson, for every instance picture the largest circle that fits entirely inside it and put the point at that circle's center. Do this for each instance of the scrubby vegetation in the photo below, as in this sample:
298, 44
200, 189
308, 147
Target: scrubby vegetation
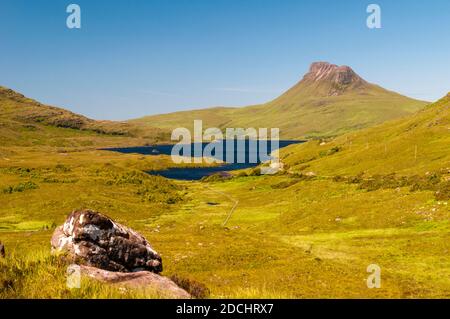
194, 288
21, 187
215, 178
40, 275
285, 184
151, 188
318, 105
330, 151
429, 182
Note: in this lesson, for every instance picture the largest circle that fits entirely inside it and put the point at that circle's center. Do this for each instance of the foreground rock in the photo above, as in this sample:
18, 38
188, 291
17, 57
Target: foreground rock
2, 250
141, 280
93, 239
113, 253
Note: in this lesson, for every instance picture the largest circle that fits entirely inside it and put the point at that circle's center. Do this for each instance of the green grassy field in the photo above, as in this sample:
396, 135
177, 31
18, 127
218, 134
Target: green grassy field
287, 238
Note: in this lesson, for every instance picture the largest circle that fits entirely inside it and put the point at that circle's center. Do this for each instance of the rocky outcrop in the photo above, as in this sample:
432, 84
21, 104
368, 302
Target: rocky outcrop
141, 280
94, 239
335, 79
109, 252
2, 250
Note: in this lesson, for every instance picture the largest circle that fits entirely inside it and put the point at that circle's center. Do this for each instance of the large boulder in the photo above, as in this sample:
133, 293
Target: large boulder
94, 239
2, 250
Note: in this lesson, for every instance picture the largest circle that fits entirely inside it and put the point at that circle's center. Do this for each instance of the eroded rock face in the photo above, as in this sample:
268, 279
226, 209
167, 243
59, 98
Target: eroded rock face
96, 240
338, 79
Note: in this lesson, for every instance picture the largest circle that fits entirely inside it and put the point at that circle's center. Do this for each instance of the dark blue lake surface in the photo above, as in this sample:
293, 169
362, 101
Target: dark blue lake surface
240, 155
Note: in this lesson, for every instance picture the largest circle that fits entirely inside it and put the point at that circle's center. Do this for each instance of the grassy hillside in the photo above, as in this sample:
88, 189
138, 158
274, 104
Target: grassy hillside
416, 144
26, 122
328, 101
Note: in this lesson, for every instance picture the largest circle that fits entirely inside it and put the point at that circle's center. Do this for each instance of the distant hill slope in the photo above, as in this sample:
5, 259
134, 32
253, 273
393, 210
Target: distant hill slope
24, 121
328, 101
416, 144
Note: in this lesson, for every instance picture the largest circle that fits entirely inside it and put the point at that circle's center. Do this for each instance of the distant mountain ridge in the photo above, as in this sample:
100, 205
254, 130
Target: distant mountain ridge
329, 100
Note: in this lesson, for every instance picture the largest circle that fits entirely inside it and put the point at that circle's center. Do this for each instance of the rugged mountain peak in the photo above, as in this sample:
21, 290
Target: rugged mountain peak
337, 79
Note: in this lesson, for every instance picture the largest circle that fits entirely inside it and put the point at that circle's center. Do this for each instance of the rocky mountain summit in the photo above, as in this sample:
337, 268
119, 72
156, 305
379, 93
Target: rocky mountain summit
339, 79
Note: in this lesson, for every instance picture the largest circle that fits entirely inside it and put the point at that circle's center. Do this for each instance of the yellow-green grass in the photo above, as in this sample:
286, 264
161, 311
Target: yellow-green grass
330, 232
413, 145
38, 275
313, 239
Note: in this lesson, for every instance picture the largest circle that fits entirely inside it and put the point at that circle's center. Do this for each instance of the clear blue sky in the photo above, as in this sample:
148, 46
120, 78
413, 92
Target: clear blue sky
138, 57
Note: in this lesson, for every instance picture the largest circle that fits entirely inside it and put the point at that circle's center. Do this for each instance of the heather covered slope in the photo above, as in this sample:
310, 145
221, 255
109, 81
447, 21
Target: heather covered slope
417, 144
328, 101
